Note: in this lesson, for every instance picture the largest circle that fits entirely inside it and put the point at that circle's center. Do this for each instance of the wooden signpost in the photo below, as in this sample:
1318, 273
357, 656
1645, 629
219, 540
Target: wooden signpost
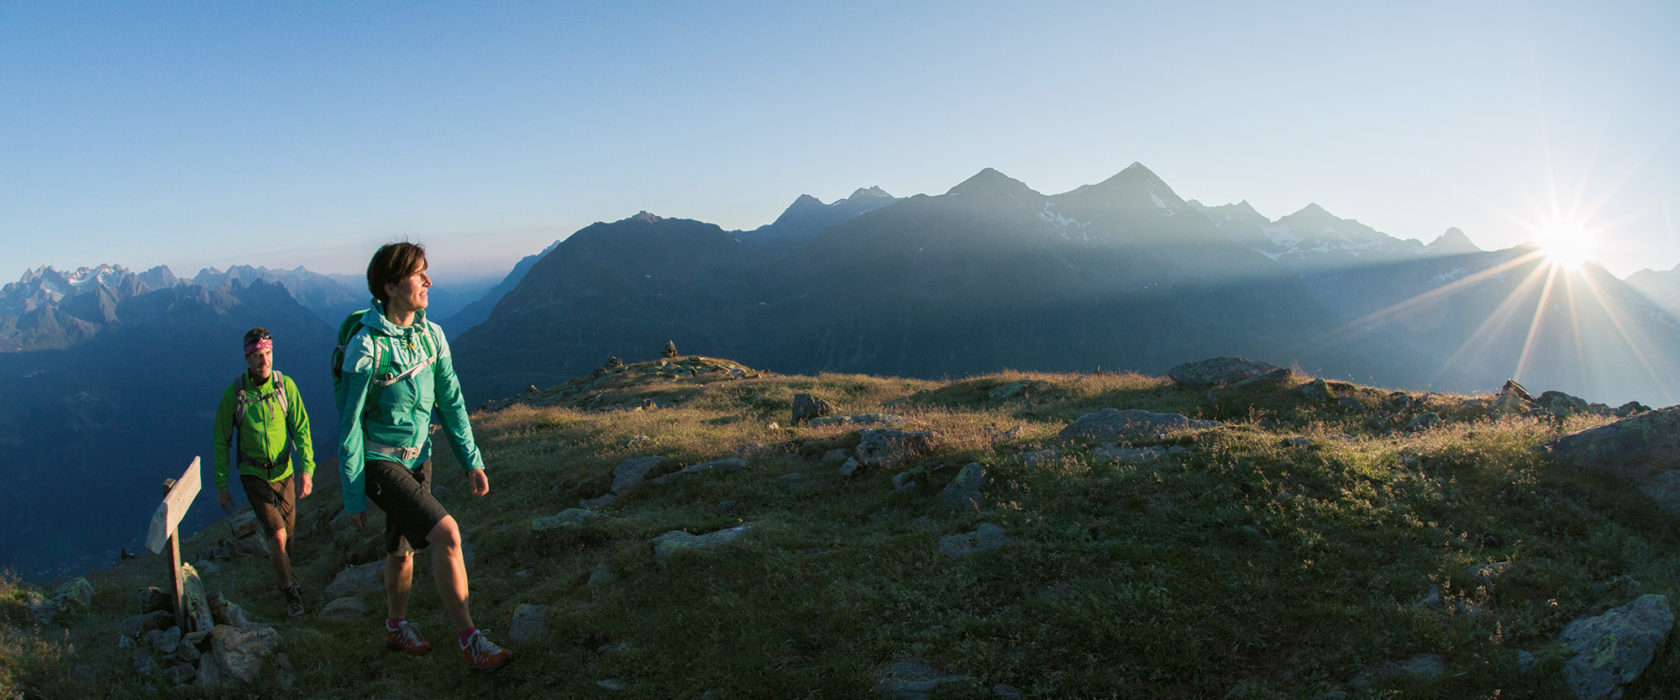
178, 495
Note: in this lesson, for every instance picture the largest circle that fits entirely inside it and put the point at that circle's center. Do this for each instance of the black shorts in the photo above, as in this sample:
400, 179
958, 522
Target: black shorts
406, 497
274, 502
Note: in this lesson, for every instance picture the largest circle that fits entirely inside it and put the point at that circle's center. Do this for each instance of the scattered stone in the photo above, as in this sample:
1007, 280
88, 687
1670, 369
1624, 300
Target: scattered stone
964, 490
806, 407
530, 623
1115, 425
1398, 401
1297, 442
164, 641
1644, 448
835, 457
677, 540
244, 523
1349, 403
632, 471
601, 576
1526, 661
1631, 408
1038, 458
1430, 598
885, 448
1134, 455
1614, 648
721, 466
1221, 371
902, 478
1316, 390
570, 517
983, 537
915, 680
344, 609
180, 674
612, 684
1562, 405
850, 467
356, 580
1424, 422
1513, 400
789, 477
240, 651
1426, 665
76, 592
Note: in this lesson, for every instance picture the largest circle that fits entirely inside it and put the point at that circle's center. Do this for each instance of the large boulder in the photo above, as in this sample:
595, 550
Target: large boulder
238, 652
1115, 425
1644, 448
1614, 648
1221, 371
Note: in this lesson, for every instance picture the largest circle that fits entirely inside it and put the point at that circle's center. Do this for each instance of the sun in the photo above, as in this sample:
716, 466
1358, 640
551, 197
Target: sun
1566, 243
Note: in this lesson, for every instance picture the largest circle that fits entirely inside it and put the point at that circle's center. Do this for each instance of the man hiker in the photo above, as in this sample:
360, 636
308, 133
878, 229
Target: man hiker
258, 411
395, 367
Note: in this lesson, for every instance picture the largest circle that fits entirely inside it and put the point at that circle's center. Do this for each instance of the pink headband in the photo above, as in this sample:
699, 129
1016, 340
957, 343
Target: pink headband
264, 344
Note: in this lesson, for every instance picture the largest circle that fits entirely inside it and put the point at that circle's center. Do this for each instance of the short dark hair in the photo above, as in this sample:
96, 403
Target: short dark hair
255, 334
393, 263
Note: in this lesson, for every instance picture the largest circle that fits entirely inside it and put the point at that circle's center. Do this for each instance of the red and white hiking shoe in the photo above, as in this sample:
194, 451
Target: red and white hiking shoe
484, 655
406, 638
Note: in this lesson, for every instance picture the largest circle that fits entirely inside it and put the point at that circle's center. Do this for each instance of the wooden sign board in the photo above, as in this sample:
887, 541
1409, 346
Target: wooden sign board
173, 508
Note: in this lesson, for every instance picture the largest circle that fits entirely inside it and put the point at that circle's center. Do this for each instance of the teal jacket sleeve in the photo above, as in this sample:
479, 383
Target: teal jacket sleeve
297, 422
223, 438
357, 377
452, 407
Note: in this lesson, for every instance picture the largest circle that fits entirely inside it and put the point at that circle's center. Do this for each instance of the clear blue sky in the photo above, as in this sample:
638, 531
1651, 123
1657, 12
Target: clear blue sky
284, 133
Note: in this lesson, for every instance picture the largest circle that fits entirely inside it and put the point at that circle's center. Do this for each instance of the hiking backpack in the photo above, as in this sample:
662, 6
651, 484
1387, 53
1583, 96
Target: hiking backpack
242, 400
382, 376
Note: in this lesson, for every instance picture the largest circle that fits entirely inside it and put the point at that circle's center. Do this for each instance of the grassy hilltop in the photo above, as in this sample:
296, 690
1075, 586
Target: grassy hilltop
1281, 555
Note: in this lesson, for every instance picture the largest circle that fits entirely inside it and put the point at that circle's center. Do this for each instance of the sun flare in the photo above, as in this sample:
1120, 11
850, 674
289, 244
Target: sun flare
1567, 244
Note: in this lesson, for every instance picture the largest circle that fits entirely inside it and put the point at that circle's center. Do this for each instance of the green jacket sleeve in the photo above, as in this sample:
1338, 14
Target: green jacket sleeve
222, 440
297, 422
452, 407
357, 372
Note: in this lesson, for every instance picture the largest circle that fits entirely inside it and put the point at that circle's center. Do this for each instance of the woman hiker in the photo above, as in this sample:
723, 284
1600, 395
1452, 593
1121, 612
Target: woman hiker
395, 368
257, 412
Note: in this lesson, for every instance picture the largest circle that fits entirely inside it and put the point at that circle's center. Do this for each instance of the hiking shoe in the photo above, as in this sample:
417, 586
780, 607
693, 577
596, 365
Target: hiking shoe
406, 638
294, 600
483, 655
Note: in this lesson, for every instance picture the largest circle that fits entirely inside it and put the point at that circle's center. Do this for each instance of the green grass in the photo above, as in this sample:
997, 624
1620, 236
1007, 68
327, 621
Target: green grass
1245, 566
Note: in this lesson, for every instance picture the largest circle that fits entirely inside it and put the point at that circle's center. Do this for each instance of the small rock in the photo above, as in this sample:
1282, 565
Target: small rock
676, 540
1131, 455
530, 623
1431, 597
138, 625
1425, 665
964, 490
983, 537
1297, 442
356, 580
1526, 661
165, 641
180, 674
351, 608
807, 406
611, 684
789, 477
153, 599
1038, 458
914, 680
834, 458
1005, 391
1316, 390
850, 467
1220, 371
633, 471
601, 576
570, 517
886, 448
1424, 422
902, 478
1350, 403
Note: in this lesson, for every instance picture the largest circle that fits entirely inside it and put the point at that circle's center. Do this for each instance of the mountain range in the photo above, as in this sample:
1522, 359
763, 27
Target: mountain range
1122, 274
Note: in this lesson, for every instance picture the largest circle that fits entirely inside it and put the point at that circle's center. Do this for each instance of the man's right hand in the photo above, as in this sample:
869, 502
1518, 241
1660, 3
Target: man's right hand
359, 520
226, 499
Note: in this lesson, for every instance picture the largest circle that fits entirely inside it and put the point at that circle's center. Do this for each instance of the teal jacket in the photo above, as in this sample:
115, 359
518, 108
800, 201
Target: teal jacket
262, 433
377, 420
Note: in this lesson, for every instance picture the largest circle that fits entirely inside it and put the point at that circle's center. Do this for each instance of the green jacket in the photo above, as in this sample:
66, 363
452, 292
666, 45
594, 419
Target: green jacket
262, 434
375, 420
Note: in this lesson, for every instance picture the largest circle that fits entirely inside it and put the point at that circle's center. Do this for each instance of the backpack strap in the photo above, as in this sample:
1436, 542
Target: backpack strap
430, 357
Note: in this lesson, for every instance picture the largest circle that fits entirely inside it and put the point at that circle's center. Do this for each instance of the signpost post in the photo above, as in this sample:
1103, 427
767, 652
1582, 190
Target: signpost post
178, 495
